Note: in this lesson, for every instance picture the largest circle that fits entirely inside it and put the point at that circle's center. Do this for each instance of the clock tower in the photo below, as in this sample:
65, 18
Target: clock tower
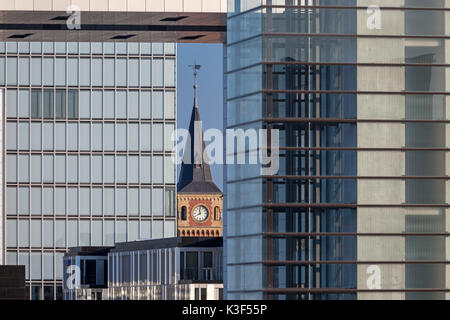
199, 200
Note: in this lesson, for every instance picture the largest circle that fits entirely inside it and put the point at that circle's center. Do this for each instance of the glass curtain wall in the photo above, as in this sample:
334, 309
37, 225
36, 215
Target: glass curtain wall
361, 189
88, 150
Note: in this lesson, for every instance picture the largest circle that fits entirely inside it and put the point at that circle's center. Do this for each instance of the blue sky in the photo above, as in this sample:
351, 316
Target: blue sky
210, 91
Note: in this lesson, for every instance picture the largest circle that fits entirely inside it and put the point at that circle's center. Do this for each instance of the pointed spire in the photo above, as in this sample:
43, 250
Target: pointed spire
195, 174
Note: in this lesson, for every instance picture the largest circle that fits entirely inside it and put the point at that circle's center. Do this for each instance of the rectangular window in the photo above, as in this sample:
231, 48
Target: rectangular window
24, 201
157, 48
96, 136
145, 137
72, 100
85, 201
85, 230
47, 137
157, 73
36, 104
133, 235
133, 202
60, 170
85, 136
60, 71
85, 104
24, 172
121, 72
121, 231
24, 71
11, 71
157, 201
85, 167
97, 233
11, 164
47, 201
146, 74
169, 73
36, 233
11, 103
60, 136
133, 104
108, 137
108, 229
145, 104
97, 72
157, 137
60, 234
97, 104
133, 72
96, 168
108, 203
133, 137
60, 104
35, 273
85, 72
146, 194
36, 201
72, 201
24, 103
48, 72
169, 105
121, 169
48, 104
121, 202
108, 105
72, 169
169, 202
36, 175
47, 228
60, 201
11, 135
121, 137
108, 169
35, 136
47, 164
72, 233
11, 194
145, 169
121, 105
72, 72
96, 202
36, 71
108, 72
169, 138
157, 105
72, 136
133, 169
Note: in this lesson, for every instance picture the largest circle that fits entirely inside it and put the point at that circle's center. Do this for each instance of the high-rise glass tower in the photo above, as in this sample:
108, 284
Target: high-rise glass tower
86, 150
358, 209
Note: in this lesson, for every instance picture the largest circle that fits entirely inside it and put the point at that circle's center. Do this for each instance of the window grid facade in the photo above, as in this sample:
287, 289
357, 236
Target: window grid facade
89, 154
363, 180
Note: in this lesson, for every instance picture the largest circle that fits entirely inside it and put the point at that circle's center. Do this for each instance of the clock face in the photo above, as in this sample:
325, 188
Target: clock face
200, 213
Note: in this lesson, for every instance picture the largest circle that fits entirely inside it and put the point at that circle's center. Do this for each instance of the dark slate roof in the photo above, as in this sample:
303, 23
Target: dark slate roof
88, 251
176, 242
195, 174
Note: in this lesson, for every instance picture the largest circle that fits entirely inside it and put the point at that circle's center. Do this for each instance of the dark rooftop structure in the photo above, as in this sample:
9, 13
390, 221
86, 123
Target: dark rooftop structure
12, 282
195, 174
176, 242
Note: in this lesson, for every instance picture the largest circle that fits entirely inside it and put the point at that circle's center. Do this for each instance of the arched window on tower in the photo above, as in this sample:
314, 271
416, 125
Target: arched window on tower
183, 213
216, 213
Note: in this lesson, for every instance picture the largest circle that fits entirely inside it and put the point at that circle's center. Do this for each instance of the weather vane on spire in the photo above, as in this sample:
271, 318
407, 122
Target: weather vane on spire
195, 67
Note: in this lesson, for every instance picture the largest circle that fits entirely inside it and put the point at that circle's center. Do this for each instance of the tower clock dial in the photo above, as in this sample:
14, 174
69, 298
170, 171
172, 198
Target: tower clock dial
200, 213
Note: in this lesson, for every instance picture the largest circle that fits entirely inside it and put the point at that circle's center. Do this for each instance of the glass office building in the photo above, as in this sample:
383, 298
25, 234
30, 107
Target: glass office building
358, 209
87, 150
